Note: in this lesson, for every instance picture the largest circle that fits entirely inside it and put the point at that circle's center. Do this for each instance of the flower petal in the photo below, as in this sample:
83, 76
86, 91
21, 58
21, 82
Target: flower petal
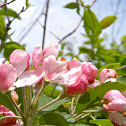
20, 60
53, 68
7, 76
51, 50
29, 78
37, 56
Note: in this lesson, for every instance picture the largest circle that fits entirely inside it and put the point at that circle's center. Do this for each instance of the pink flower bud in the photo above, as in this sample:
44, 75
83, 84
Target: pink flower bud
106, 74
117, 119
79, 87
90, 71
114, 101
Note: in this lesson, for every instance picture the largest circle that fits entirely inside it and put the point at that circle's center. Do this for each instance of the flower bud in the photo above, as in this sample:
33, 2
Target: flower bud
90, 71
114, 101
107, 74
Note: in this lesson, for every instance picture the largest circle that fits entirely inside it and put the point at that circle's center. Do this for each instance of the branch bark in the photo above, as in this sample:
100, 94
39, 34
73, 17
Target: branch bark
45, 22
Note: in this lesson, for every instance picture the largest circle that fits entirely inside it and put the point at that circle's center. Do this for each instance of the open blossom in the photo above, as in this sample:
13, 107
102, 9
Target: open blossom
107, 74
114, 101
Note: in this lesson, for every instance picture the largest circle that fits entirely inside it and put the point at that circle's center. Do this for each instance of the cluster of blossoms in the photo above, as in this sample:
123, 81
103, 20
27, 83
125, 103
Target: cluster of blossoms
76, 76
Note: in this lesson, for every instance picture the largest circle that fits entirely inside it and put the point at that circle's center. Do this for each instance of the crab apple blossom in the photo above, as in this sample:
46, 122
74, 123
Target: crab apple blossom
107, 74
38, 55
117, 119
79, 87
90, 71
114, 101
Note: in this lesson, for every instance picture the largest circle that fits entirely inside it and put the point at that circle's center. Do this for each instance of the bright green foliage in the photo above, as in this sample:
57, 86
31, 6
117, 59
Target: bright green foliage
2, 27
107, 21
53, 118
11, 13
102, 122
10, 47
91, 25
5, 100
73, 6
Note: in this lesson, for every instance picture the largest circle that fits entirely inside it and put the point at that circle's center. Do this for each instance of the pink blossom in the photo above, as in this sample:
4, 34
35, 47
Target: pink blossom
79, 87
107, 74
90, 71
114, 101
53, 68
7, 76
38, 55
20, 61
117, 119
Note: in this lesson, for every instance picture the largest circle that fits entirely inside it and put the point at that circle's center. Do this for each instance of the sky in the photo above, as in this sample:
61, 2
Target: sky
61, 21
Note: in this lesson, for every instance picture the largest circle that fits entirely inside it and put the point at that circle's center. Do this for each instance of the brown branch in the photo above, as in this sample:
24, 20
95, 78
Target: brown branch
10, 21
45, 22
71, 32
121, 67
92, 3
32, 25
54, 35
6, 3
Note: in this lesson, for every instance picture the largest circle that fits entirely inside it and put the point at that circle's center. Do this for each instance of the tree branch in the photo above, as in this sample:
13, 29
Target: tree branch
45, 22
6, 3
71, 32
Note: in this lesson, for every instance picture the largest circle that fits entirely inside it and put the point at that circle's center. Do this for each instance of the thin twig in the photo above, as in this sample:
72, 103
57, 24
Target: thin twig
45, 22
53, 90
16, 106
32, 25
72, 105
6, 3
10, 21
121, 67
58, 98
92, 3
40, 23
71, 32
54, 35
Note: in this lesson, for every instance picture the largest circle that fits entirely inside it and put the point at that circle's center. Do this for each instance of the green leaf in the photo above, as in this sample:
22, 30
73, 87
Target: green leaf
73, 6
10, 47
102, 122
2, 27
4, 100
91, 25
53, 118
48, 90
83, 49
11, 13
107, 21
121, 78
96, 94
43, 100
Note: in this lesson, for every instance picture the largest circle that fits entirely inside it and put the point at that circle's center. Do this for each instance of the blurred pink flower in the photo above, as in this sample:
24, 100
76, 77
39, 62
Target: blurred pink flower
107, 74
117, 119
114, 101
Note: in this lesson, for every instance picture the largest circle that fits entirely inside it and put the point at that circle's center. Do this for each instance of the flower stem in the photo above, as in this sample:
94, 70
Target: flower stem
9, 94
58, 98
